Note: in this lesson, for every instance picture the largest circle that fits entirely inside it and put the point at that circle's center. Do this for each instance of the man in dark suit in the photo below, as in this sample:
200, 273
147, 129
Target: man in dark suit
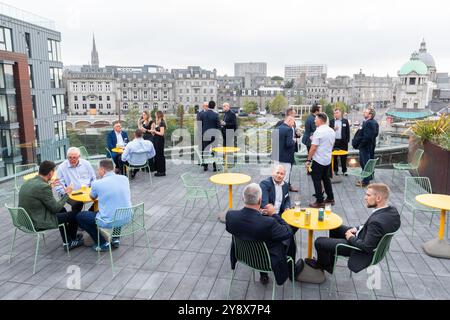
209, 120
229, 124
275, 193
251, 224
291, 113
384, 219
283, 145
342, 129
310, 125
369, 133
116, 137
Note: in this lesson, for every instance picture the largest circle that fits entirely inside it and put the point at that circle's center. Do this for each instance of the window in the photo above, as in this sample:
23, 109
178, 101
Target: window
412, 81
28, 44
405, 104
135, 95
165, 85
84, 98
125, 106
100, 98
75, 98
58, 103
108, 106
60, 130
165, 106
99, 86
108, 98
181, 91
30, 73
91, 87
134, 85
83, 87
5, 39
33, 104
155, 106
100, 106
108, 87
124, 85
6, 76
75, 86
416, 105
54, 50
76, 106
84, 106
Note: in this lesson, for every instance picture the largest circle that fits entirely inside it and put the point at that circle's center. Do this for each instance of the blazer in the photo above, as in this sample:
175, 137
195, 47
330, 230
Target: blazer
111, 141
345, 131
279, 123
369, 133
269, 196
249, 224
230, 120
383, 221
283, 148
209, 119
310, 127
36, 197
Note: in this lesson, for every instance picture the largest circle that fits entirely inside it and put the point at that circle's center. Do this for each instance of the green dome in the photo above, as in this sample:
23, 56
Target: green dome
416, 66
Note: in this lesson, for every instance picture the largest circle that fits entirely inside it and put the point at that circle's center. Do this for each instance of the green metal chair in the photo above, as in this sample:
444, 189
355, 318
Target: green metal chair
299, 163
197, 188
413, 187
255, 254
22, 221
129, 167
206, 158
126, 222
379, 253
413, 165
19, 172
83, 152
369, 169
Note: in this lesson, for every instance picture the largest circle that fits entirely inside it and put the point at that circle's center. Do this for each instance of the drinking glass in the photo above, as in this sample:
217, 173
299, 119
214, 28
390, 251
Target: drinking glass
327, 211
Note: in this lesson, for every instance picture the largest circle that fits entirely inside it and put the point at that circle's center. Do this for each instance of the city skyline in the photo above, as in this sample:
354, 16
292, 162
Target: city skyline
293, 32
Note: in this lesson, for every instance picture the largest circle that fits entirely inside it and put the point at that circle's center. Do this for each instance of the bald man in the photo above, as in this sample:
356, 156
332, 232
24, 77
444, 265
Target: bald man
275, 192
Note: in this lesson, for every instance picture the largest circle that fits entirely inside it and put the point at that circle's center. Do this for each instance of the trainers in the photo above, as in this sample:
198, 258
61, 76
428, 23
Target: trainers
74, 244
115, 243
102, 248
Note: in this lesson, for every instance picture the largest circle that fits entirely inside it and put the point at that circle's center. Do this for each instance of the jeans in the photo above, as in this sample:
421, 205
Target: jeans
86, 221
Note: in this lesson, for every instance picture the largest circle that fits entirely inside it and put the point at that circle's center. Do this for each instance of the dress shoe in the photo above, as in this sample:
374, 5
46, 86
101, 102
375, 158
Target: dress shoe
160, 174
317, 205
292, 189
299, 265
205, 168
329, 201
264, 278
345, 174
312, 263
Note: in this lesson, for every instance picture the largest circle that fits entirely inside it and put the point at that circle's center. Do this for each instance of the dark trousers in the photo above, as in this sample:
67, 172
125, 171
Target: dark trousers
160, 159
291, 250
86, 220
118, 162
70, 222
364, 157
341, 145
321, 174
204, 145
326, 248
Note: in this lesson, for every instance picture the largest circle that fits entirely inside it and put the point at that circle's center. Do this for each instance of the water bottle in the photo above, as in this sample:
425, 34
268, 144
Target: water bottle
321, 214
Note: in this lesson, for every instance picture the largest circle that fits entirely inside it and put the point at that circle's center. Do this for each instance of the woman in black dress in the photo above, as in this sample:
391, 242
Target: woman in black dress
146, 124
158, 141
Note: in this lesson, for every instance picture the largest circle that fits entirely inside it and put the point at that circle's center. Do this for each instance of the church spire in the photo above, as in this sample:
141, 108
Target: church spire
423, 46
94, 54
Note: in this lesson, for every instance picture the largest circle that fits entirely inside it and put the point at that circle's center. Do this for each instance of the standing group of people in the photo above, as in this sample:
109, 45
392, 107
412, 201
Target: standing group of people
321, 137
149, 130
212, 128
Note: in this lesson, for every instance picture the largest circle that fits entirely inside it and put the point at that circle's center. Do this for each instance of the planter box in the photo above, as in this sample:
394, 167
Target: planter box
435, 164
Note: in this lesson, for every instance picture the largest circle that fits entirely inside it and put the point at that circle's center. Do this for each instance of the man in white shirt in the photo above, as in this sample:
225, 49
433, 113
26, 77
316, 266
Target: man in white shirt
275, 192
319, 160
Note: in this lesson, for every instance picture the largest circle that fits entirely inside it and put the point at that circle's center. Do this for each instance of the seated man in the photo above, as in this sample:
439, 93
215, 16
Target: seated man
36, 197
112, 192
117, 137
384, 219
138, 151
252, 225
275, 192
76, 172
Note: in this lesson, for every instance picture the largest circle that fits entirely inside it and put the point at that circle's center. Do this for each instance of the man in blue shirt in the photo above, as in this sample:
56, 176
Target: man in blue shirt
76, 172
112, 192
138, 152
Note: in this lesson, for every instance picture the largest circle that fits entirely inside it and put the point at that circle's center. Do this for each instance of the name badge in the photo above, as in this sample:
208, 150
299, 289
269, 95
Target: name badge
344, 125
287, 195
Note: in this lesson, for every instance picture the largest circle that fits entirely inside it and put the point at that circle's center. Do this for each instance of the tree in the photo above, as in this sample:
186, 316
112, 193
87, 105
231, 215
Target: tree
132, 117
289, 84
250, 106
180, 115
278, 104
277, 78
267, 106
191, 110
342, 106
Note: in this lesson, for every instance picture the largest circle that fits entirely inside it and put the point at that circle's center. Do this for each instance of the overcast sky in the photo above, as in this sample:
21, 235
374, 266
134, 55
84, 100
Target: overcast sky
377, 36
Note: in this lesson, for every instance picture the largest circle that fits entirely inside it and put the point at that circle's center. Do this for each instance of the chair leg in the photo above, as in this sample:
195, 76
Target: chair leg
43, 240
98, 245
36, 252
293, 279
414, 218
65, 237
231, 282
218, 201
334, 276
12, 245
111, 257
390, 276
185, 204
273, 287
393, 172
431, 218
148, 243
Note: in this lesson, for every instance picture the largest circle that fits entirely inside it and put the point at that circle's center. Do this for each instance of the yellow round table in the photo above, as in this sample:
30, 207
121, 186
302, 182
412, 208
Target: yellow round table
84, 197
331, 221
336, 153
230, 179
437, 247
118, 150
225, 151
34, 174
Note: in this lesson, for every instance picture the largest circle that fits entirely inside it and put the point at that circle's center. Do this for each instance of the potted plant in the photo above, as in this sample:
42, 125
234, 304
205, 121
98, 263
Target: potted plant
433, 136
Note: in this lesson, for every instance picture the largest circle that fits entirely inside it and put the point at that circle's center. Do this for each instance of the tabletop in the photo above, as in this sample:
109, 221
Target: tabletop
334, 221
84, 197
117, 150
438, 201
339, 152
34, 174
230, 178
226, 149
